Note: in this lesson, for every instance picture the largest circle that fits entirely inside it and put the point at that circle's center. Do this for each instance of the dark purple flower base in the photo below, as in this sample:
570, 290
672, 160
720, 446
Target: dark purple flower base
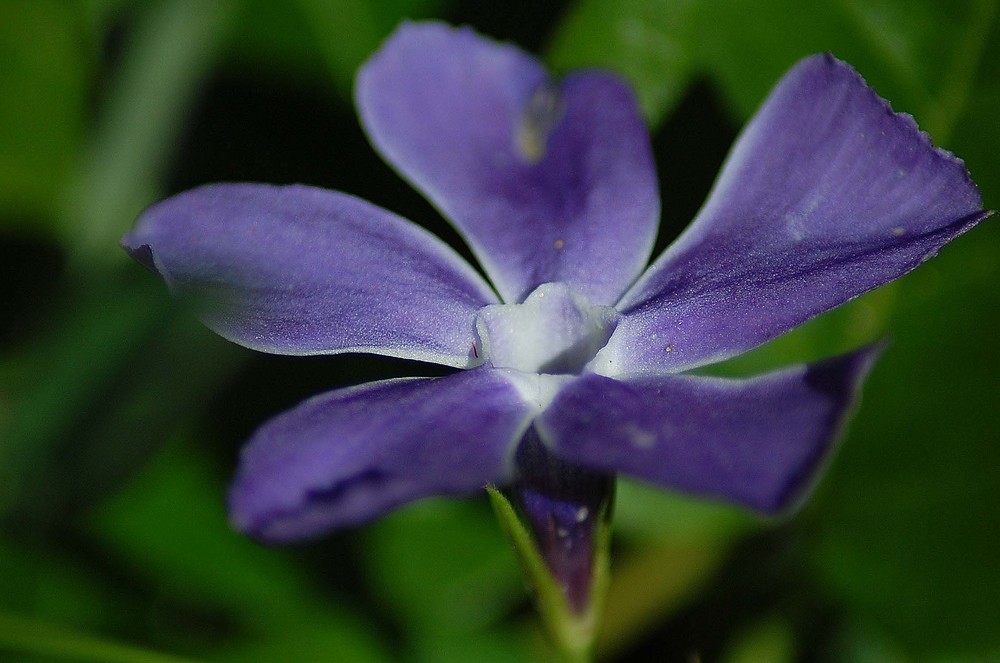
563, 505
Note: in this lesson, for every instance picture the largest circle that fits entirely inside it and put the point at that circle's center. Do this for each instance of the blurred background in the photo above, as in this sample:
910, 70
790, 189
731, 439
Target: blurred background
121, 417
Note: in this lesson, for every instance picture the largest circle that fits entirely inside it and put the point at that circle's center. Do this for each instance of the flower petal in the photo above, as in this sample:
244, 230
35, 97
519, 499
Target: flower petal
547, 182
756, 441
300, 270
352, 454
826, 195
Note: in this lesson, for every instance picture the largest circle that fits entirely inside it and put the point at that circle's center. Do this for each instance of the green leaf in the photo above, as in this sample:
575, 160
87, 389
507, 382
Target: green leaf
672, 546
647, 42
275, 38
497, 645
170, 525
447, 576
650, 514
51, 586
193, 550
976, 135
911, 52
322, 638
907, 515
171, 48
919, 54
442, 566
768, 640
117, 370
57, 376
55, 642
359, 26
48, 57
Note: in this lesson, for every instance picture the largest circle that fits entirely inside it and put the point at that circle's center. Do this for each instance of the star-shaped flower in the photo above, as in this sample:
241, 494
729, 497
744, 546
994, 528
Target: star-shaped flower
574, 352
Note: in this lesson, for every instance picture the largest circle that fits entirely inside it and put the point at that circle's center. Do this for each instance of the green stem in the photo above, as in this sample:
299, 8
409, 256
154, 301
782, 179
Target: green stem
573, 633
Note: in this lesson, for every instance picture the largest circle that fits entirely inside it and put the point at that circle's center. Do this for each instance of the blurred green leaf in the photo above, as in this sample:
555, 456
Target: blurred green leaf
275, 37
359, 26
650, 584
317, 39
923, 55
914, 53
43, 639
170, 525
909, 516
322, 638
976, 136
445, 571
168, 53
648, 42
51, 587
117, 371
769, 640
443, 566
49, 383
861, 644
172, 47
501, 645
646, 513
48, 58
673, 545
192, 551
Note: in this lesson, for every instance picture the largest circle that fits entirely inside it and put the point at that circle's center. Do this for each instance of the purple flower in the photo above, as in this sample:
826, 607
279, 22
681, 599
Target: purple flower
576, 355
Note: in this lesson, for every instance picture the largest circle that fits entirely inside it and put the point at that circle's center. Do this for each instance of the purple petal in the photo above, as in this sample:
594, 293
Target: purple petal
299, 270
826, 195
547, 182
350, 455
756, 441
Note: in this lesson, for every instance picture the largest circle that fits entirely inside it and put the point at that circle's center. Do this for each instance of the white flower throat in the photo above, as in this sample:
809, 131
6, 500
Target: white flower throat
555, 330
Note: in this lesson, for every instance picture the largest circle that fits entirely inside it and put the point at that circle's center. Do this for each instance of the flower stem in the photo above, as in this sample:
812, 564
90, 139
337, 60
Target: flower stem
573, 633
557, 517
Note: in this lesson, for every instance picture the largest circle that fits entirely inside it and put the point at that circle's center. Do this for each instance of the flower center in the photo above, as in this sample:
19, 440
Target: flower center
555, 330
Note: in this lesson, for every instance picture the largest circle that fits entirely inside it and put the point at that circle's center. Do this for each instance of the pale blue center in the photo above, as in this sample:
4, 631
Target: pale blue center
555, 330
